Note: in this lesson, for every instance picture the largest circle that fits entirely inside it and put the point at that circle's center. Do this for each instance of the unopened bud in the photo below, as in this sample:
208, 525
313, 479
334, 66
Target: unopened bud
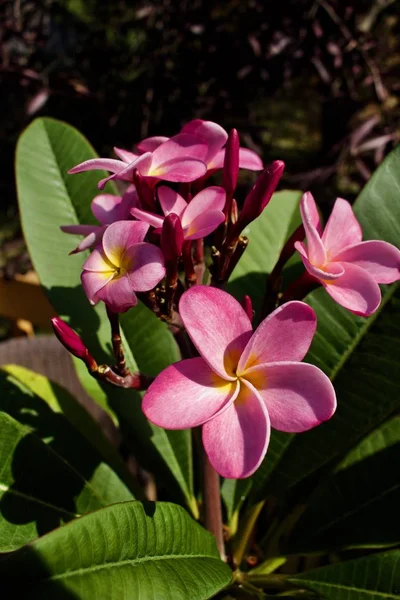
144, 191
248, 306
231, 163
260, 195
72, 342
172, 237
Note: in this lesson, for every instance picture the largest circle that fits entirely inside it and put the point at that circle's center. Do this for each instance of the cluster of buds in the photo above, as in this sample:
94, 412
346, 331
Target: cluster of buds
150, 243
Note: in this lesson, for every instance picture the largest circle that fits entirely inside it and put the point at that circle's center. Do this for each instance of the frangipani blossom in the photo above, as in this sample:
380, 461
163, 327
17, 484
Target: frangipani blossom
179, 159
121, 266
200, 217
348, 268
244, 382
107, 209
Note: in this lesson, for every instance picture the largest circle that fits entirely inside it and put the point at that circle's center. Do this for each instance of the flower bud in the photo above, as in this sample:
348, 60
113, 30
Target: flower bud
72, 342
172, 237
260, 195
248, 306
231, 163
144, 191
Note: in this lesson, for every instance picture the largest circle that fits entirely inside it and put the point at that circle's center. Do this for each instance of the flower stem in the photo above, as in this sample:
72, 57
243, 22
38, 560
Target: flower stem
212, 504
245, 532
120, 366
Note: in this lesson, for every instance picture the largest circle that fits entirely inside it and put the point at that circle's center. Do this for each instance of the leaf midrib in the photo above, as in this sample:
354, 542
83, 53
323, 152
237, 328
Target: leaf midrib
130, 562
8, 489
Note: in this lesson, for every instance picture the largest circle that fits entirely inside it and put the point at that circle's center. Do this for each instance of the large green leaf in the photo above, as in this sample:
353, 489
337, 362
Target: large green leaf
375, 577
126, 551
39, 489
358, 504
48, 198
358, 354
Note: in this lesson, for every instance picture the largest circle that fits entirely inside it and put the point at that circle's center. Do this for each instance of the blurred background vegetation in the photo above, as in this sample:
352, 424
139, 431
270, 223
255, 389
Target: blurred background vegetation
314, 83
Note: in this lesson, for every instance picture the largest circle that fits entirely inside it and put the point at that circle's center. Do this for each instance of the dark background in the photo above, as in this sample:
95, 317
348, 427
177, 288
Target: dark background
313, 83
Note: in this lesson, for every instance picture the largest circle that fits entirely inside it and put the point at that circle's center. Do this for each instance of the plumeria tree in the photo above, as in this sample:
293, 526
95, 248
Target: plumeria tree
245, 352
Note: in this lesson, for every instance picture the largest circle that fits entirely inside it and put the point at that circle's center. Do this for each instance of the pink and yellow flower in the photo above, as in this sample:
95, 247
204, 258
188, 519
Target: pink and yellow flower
244, 382
121, 266
200, 217
349, 269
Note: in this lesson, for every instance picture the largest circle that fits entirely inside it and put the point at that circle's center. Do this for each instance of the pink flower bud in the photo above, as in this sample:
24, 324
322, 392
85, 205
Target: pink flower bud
248, 306
70, 339
172, 237
231, 163
260, 195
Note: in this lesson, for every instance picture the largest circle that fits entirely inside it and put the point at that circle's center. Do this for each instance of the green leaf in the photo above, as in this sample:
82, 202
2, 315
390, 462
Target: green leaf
18, 388
357, 504
48, 198
267, 236
39, 489
126, 551
358, 354
375, 577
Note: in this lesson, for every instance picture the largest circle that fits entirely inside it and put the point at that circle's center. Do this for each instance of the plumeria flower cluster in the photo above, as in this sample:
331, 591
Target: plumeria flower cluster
149, 243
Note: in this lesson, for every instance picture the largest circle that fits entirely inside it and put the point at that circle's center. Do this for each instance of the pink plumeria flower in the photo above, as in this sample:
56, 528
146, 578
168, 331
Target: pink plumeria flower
216, 137
348, 268
121, 266
107, 209
200, 217
179, 159
244, 382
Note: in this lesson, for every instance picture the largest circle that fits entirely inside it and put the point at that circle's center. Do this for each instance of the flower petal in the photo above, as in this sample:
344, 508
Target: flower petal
341, 230
212, 133
144, 264
286, 334
179, 170
98, 262
142, 164
187, 394
121, 235
151, 143
104, 204
237, 439
204, 224
247, 160
147, 217
171, 201
79, 229
211, 198
93, 282
327, 272
108, 164
315, 248
356, 290
181, 146
298, 396
217, 325
91, 240
125, 155
118, 294
379, 259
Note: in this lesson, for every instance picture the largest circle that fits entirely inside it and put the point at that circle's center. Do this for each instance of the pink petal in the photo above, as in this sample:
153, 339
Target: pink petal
341, 230
327, 272
212, 133
147, 217
181, 146
237, 439
79, 229
93, 282
98, 263
203, 225
144, 264
187, 394
121, 235
356, 290
151, 143
217, 325
298, 396
286, 334
171, 201
125, 155
108, 164
247, 160
91, 240
315, 248
118, 294
141, 164
105, 206
379, 259
211, 198
179, 170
